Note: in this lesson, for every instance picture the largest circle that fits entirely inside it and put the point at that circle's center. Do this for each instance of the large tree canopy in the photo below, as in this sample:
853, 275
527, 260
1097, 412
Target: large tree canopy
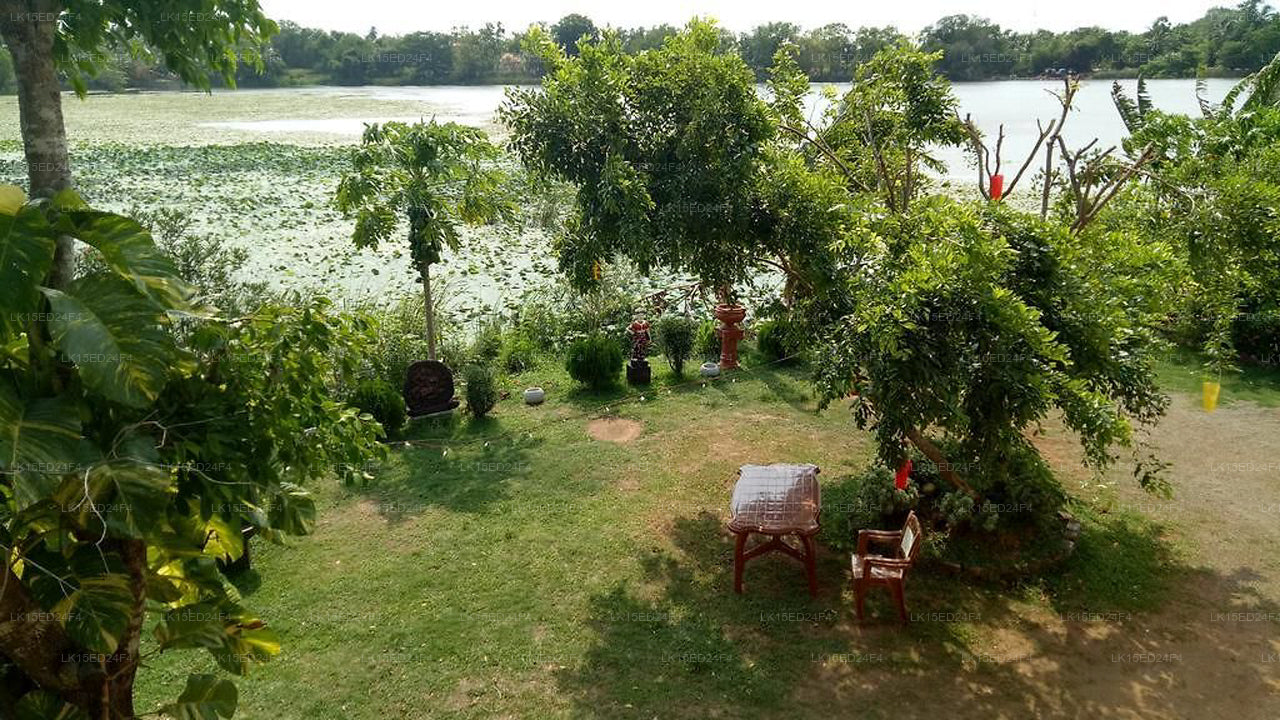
664, 147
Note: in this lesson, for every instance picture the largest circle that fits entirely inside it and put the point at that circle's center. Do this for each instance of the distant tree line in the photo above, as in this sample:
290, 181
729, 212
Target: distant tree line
1226, 41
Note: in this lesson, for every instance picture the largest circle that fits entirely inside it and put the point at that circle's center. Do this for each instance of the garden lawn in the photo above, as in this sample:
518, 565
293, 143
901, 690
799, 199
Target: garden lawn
519, 567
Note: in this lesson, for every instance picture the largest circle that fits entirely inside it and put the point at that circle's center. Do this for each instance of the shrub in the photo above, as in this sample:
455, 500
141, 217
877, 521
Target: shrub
488, 342
770, 340
707, 342
401, 340
595, 361
517, 352
383, 402
675, 337
482, 390
867, 501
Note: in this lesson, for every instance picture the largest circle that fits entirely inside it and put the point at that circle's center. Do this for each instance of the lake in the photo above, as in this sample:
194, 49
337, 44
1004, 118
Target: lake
1016, 104
258, 168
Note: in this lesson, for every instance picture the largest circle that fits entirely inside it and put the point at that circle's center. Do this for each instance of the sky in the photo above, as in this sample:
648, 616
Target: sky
396, 17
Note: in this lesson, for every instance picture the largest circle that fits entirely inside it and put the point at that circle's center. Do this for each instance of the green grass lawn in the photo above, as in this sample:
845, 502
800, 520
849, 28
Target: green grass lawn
517, 567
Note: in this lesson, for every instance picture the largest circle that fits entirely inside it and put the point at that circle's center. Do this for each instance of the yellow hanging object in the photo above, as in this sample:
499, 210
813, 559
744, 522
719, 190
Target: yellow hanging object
11, 199
595, 270
1211, 389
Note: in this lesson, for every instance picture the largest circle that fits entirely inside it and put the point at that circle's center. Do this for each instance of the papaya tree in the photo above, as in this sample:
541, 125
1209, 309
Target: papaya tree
50, 38
436, 177
134, 457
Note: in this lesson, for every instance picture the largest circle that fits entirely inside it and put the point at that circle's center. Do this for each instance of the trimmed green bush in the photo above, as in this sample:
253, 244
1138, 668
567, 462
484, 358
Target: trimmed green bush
595, 361
383, 402
482, 390
675, 337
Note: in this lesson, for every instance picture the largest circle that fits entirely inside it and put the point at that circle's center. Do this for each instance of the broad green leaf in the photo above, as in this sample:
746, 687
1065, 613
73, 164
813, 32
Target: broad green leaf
46, 705
12, 198
199, 625
97, 612
224, 538
247, 643
206, 697
114, 336
293, 511
38, 444
68, 199
129, 496
26, 254
128, 249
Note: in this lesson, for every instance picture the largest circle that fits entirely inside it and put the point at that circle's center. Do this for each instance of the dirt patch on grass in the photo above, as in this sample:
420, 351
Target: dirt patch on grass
614, 430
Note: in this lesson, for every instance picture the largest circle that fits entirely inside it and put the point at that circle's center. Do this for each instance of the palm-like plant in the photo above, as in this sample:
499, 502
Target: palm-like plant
438, 176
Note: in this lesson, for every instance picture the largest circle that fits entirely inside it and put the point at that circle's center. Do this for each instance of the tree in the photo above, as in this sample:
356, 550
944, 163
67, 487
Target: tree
572, 28
761, 44
1214, 190
664, 148
435, 176
957, 328
134, 453
972, 48
881, 133
48, 37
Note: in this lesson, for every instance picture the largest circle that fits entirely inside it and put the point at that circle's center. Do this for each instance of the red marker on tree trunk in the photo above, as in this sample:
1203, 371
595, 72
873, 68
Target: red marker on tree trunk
997, 187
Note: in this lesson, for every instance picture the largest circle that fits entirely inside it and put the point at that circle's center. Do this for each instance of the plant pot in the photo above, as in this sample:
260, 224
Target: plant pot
709, 369
730, 333
639, 372
534, 396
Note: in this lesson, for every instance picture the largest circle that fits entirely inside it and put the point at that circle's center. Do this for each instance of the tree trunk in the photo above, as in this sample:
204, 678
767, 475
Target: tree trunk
28, 28
932, 452
430, 310
111, 691
32, 640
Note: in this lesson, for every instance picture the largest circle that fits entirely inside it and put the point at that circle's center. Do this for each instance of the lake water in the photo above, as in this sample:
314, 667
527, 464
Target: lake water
1016, 104
202, 154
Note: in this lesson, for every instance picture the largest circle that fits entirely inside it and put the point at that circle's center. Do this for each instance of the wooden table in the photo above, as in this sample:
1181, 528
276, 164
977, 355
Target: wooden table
775, 501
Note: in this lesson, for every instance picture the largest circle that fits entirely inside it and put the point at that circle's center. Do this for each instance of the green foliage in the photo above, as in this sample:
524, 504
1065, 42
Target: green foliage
866, 501
555, 316
675, 337
133, 457
595, 361
398, 327
487, 344
706, 344
1225, 41
881, 135
517, 353
1215, 202
663, 148
482, 389
981, 323
435, 176
777, 339
214, 38
383, 402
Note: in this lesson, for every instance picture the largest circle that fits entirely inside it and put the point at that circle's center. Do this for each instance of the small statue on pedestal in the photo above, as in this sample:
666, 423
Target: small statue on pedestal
638, 371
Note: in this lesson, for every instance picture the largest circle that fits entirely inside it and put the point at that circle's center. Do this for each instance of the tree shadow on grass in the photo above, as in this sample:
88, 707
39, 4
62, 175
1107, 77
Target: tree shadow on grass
464, 467
786, 383
1129, 630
